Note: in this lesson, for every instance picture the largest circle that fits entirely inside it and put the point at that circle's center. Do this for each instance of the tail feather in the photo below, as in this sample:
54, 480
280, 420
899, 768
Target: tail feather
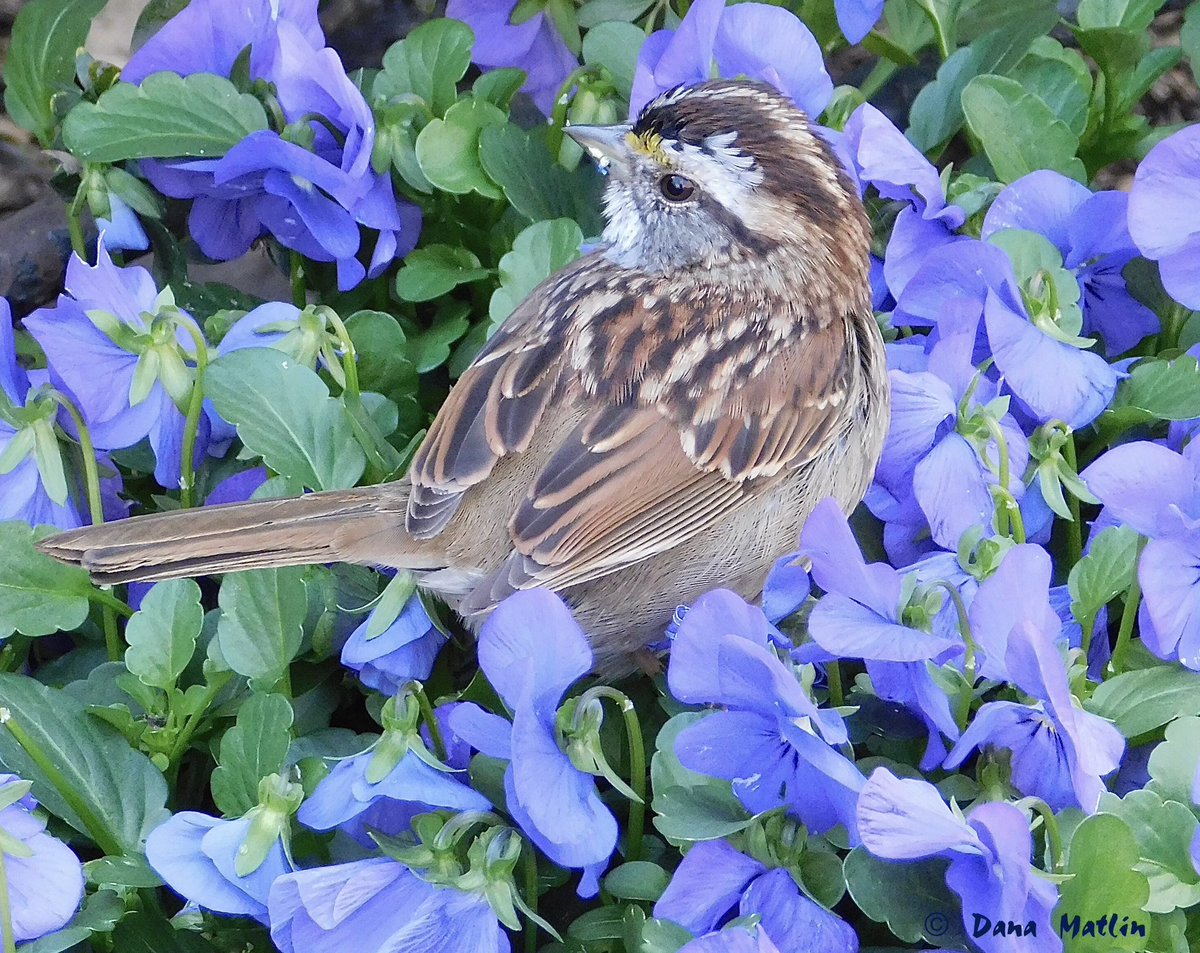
364, 526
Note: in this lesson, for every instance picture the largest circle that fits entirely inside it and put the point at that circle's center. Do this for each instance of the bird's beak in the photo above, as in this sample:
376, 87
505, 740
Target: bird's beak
608, 145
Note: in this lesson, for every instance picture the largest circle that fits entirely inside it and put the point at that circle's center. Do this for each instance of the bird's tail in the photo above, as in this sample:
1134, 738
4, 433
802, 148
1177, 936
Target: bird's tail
365, 526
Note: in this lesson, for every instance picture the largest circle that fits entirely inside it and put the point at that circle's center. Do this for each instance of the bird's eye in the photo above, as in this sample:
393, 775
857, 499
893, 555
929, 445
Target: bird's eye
676, 188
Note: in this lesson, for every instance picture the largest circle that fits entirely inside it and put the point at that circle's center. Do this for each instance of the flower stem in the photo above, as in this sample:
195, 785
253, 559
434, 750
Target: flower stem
637, 768
191, 426
91, 475
184, 738
529, 860
833, 677
1053, 834
1128, 614
75, 223
8, 940
299, 293
349, 352
1008, 516
96, 828
430, 719
559, 117
1075, 529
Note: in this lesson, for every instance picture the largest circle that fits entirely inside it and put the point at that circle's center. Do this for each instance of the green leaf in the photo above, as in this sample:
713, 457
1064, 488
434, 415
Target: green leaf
448, 149
911, 898
696, 814
1162, 390
131, 871
428, 63
944, 13
937, 111
1103, 574
602, 923
46, 37
261, 624
1164, 832
162, 633
38, 595
499, 86
637, 880
119, 790
822, 876
434, 270
1173, 763
431, 348
1189, 36
539, 251
1102, 857
615, 46
595, 12
145, 932
1115, 49
534, 184
1131, 14
382, 347
201, 115
1141, 701
1060, 78
1019, 132
284, 413
253, 748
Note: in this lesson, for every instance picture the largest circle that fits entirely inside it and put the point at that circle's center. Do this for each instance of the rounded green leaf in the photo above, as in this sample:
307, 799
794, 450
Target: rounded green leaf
162, 633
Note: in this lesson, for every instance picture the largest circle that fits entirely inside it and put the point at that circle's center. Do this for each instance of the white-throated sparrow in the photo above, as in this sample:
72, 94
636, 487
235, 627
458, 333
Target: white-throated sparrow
655, 420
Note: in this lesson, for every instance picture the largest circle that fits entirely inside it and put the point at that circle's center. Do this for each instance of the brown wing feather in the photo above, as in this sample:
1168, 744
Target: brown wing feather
631, 481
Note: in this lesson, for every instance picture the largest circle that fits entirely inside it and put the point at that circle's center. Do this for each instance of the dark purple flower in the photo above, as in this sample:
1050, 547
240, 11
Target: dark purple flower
535, 46
237, 488
1164, 213
770, 740
379, 906
44, 877
713, 877
1090, 231
532, 651
119, 348
197, 857
989, 854
403, 651
754, 40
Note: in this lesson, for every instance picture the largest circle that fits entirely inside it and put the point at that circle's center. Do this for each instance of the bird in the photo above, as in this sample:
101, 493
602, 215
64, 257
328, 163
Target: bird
655, 420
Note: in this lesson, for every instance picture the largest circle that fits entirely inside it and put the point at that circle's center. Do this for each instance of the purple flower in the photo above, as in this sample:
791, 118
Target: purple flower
713, 877
119, 348
1164, 212
405, 650
857, 17
45, 878
770, 739
197, 856
873, 612
754, 40
378, 906
1059, 752
786, 589
735, 939
876, 153
1090, 231
312, 199
207, 36
385, 788
968, 287
535, 46
532, 651
988, 852
1157, 492
120, 228
27, 444
237, 488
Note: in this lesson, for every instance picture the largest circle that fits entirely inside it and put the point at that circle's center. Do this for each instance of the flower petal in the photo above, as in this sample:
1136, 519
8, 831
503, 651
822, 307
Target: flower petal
707, 883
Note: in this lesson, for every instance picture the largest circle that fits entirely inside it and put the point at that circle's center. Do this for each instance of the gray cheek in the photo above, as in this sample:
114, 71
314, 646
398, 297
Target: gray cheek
644, 234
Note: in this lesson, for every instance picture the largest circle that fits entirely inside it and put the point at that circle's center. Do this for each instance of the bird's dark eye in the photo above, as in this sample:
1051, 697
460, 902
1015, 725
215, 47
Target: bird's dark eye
676, 188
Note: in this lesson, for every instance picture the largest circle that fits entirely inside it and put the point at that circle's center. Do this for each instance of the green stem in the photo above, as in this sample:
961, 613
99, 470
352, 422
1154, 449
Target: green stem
559, 118
1075, 529
637, 768
299, 293
833, 676
94, 825
191, 426
1110, 100
430, 719
1053, 834
184, 738
883, 71
91, 476
75, 224
349, 353
105, 599
939, 34
8, 940
1128, 614
529, 859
